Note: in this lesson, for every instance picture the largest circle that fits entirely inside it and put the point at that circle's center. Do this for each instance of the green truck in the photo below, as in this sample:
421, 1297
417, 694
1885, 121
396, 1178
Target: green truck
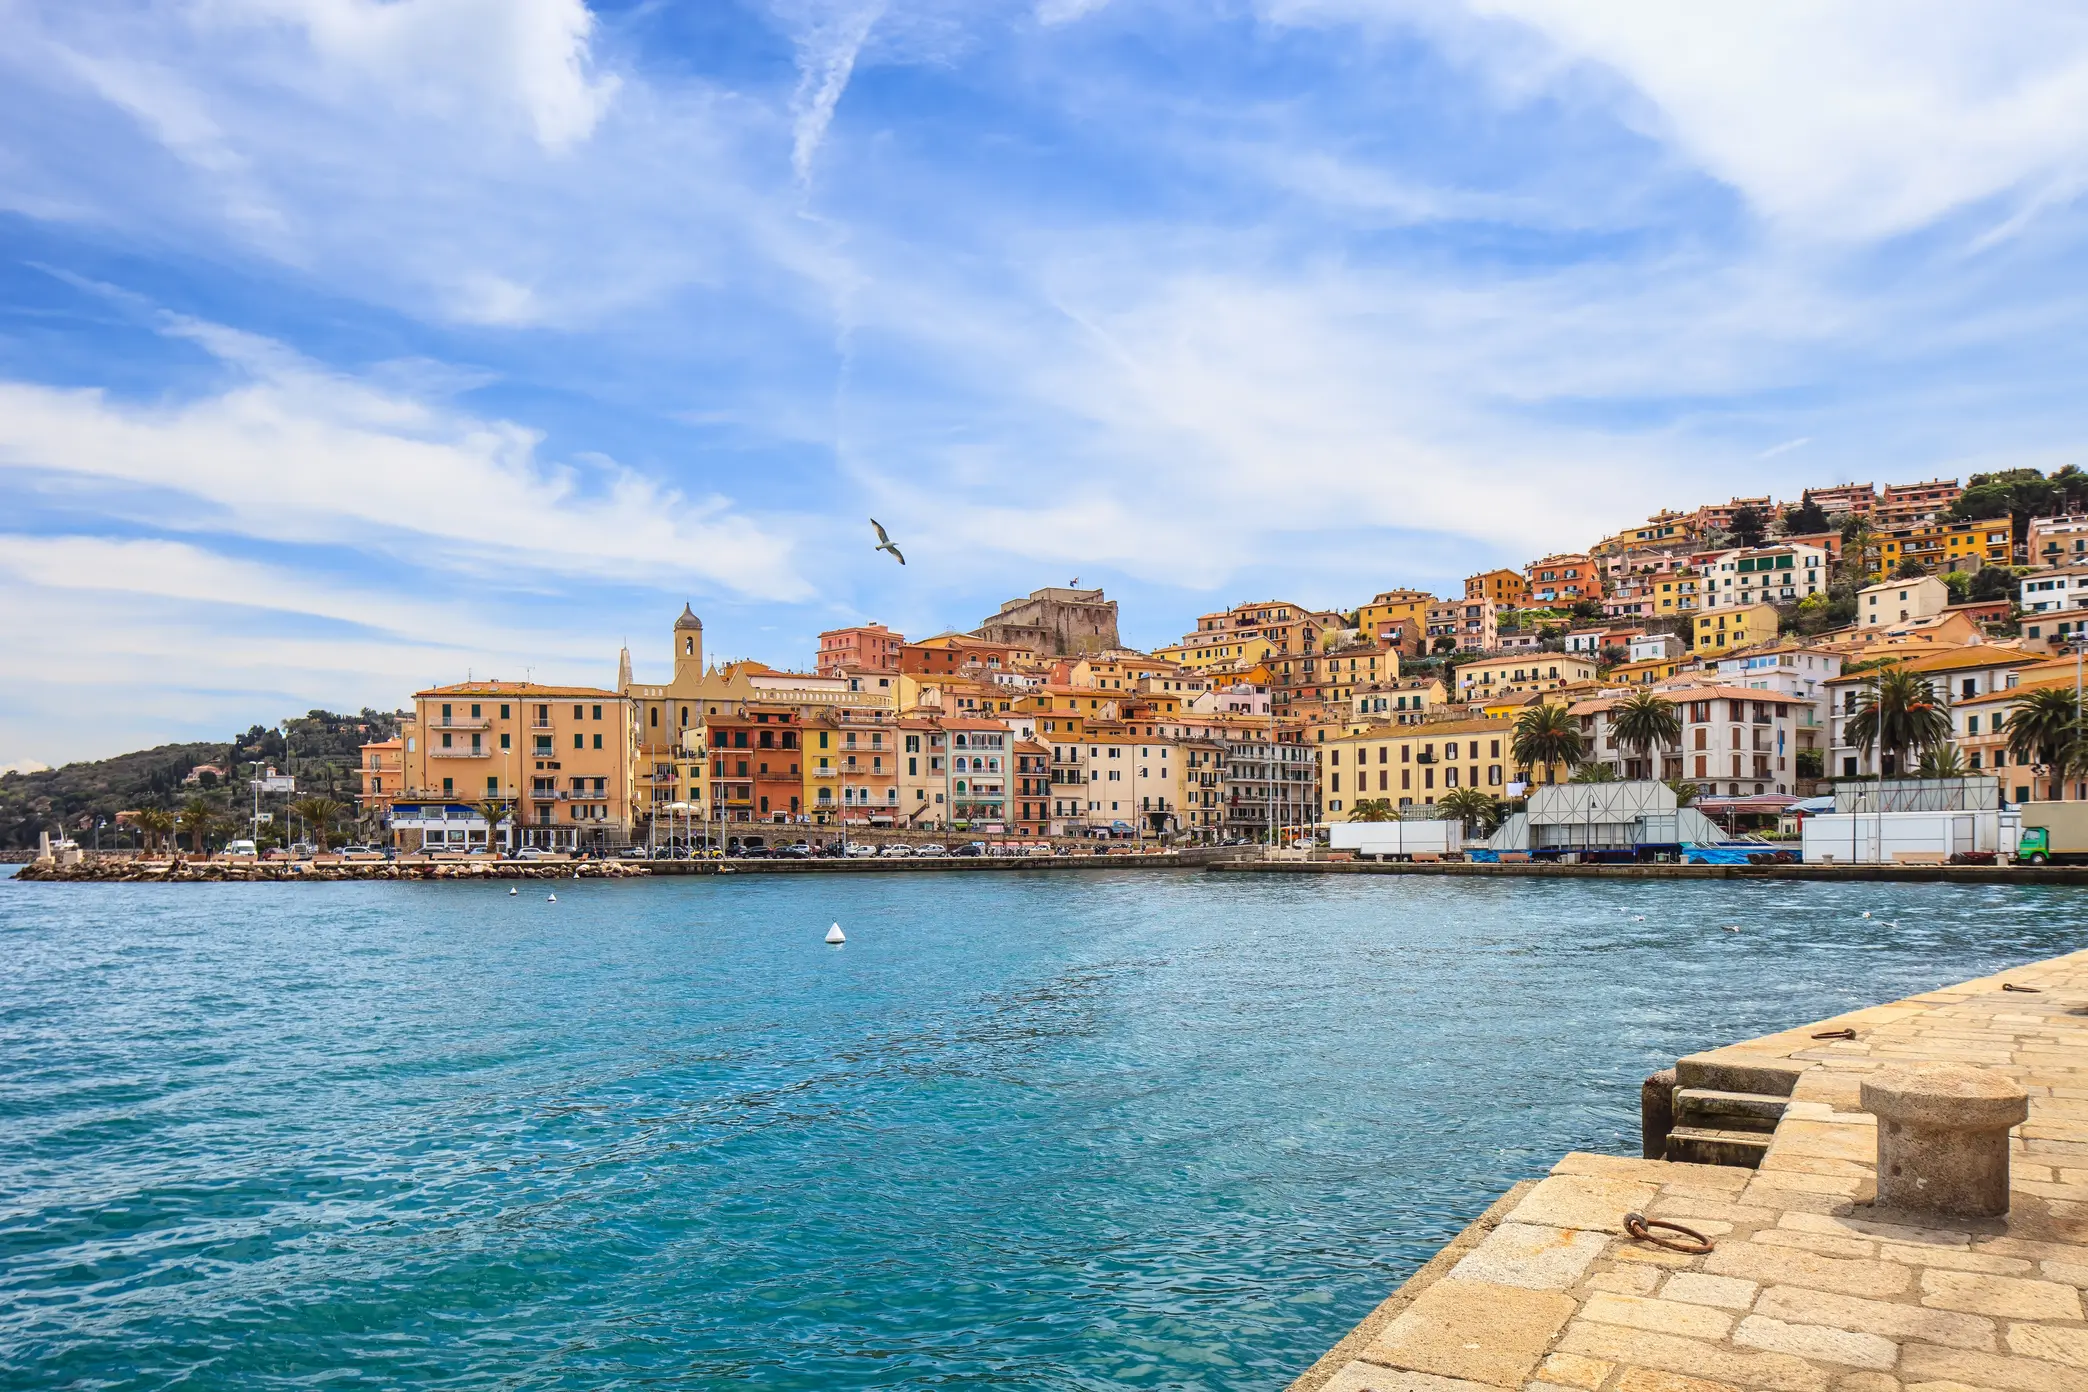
2054, 833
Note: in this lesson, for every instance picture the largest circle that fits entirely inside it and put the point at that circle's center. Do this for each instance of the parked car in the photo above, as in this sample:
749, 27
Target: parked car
630, 853
797, 851
898, 850
240, 848
931, 849
860, 850
531, 853
303, 850
971, 848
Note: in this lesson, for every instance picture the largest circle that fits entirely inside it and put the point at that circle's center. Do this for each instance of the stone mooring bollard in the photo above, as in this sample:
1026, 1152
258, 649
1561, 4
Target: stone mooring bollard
1943, 1137
1656, 1113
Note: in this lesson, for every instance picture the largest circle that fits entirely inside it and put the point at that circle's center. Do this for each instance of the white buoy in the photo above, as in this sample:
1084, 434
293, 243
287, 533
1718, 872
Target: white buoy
513, 890
553, 898
836, 936
1866, 913
1732, 927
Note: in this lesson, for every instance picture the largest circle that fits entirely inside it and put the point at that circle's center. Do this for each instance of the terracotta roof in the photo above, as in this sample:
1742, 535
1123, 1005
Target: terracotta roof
517, 690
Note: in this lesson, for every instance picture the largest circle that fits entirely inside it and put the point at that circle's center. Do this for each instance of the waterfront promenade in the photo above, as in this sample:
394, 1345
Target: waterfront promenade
1809, 1287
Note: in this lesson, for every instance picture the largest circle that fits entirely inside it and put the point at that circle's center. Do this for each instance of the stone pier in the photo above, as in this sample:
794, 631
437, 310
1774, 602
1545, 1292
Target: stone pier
1812, 1285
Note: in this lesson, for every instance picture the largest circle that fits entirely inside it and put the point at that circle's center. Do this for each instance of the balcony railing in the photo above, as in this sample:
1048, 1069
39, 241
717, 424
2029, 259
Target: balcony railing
460, 752
462, 722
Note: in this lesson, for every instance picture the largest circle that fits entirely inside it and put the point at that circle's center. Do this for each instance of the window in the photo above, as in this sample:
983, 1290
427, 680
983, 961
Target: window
579, 712
503, 712
579, 741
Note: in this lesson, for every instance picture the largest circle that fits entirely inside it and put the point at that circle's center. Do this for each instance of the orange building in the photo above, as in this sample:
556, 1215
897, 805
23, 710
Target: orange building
1564, 579
383, 768
556, 760
866, 648
1506, 588
757, 763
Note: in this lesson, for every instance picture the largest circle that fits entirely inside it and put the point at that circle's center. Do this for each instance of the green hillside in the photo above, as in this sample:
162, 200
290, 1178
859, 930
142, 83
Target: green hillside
322, 753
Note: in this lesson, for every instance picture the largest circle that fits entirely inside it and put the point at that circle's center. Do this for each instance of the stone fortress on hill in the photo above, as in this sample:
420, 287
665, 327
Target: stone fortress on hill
1055, 622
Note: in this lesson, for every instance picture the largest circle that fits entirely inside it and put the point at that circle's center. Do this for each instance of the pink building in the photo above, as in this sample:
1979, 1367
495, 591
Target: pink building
866, 647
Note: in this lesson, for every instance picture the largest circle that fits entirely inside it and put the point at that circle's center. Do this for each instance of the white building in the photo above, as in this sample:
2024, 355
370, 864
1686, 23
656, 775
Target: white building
2052, 601
1796, 671
1735, 741
2056, 541
1896, 601
1764, 575
1954, 676
1658, 647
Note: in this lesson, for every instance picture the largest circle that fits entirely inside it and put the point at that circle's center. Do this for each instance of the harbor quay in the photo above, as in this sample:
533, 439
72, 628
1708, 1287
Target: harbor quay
1793, 1262
216, 870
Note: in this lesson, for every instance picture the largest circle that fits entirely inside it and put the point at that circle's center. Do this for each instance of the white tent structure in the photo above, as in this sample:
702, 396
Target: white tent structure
1604, 817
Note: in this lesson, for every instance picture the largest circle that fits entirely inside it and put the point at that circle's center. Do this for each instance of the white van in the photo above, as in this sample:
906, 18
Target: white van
240, 848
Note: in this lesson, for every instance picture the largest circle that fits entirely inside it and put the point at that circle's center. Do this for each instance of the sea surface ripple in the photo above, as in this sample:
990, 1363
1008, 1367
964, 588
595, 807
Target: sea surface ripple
1097, 1130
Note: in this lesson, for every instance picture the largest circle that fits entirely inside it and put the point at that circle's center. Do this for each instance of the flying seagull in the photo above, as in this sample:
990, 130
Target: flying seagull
884, 542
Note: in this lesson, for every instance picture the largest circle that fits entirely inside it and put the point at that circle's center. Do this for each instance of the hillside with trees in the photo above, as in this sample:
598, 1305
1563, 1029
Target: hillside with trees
322, 751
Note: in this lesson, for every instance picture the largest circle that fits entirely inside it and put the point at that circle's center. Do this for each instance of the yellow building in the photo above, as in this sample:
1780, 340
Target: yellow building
1403, 703
1675, 594
1516, 678
1393, 607
1940, 546
1506, 588
557, 760
1201, 652
1407, 765
1654, 669
1742, 626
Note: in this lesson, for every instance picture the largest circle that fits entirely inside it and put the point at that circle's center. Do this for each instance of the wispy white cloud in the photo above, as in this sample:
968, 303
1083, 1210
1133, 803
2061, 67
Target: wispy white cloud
828, 42
291, 452
1841, 122
1785, 448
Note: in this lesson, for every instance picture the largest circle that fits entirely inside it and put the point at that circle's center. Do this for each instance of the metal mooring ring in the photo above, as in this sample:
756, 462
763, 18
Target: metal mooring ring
1641, 1227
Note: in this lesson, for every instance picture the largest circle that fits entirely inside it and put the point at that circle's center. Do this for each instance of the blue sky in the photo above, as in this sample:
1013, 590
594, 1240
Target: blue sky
347, 346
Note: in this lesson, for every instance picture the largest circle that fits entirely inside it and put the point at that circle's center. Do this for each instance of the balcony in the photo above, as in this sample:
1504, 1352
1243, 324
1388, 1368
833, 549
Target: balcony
460, 753
826, 773
461, 722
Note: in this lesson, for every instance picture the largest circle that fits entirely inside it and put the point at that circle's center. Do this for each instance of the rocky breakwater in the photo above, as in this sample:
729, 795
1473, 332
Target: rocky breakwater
240, 871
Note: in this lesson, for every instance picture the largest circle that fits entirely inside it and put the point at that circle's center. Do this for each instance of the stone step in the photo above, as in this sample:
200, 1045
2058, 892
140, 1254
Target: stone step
1735, 1070
1734, 1111
1706, 1145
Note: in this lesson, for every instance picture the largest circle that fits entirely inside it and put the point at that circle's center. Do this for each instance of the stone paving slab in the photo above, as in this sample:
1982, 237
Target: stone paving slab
1811, 1287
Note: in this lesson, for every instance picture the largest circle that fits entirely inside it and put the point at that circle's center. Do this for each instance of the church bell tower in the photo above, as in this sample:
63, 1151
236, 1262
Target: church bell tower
688, 649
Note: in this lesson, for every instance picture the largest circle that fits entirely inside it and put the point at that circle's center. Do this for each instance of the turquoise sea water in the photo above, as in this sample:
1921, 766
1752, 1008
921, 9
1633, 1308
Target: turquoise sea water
1023, 1131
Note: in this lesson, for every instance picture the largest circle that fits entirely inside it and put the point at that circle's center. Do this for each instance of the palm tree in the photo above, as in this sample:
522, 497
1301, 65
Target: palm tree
153, 823
319, 815
197, 819
1644, 720
495, 811
1595, 773
1546, 735
1685, 793
1898, 715
1476, 808
2046, 727
1373, 810
1941, 761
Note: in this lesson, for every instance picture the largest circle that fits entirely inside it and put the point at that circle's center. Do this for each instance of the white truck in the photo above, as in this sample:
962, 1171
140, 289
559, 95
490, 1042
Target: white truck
1397, 839
1907, 838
